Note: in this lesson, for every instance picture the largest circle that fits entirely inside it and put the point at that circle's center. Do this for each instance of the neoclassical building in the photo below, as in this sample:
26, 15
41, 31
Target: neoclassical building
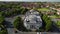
32, 20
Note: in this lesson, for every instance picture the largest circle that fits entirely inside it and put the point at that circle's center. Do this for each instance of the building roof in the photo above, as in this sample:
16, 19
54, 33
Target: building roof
33, 19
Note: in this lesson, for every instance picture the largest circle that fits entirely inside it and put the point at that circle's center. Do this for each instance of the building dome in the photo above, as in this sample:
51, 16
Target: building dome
33, 20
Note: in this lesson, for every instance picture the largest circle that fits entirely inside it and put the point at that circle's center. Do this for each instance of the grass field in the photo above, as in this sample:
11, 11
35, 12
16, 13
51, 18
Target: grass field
43, 9
54, 16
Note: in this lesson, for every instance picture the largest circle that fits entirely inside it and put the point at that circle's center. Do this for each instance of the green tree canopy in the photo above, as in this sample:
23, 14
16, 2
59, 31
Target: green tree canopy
48, 22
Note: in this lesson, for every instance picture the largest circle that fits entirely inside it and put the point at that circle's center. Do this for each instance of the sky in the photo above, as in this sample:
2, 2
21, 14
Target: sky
33, 0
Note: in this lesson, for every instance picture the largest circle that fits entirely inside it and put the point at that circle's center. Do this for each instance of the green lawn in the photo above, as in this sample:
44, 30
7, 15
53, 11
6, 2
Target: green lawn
43, 9
54, 16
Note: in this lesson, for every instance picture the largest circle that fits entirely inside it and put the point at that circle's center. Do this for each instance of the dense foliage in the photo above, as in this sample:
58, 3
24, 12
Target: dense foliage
48, 22
12, 9
3, 29
18, 24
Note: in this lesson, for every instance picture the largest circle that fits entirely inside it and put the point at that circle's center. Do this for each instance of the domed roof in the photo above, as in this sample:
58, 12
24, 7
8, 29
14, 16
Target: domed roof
33, 18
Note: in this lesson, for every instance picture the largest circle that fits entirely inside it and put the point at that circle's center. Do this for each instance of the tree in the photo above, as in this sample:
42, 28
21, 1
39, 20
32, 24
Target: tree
24, 10
18, 24
48, 22
3, 31
58, 24
1, 19
48, 25
2, 13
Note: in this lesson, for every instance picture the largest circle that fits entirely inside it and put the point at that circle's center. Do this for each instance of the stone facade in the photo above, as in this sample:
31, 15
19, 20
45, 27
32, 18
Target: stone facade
32, 20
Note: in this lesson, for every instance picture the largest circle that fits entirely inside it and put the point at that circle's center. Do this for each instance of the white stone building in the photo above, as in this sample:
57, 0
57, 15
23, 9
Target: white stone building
32, 20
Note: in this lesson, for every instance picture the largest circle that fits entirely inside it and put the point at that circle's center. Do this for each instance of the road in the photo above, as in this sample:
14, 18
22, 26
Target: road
9, 24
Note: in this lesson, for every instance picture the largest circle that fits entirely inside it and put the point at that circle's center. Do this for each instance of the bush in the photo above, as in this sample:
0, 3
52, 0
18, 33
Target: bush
3, 32
18, 24
48, 22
